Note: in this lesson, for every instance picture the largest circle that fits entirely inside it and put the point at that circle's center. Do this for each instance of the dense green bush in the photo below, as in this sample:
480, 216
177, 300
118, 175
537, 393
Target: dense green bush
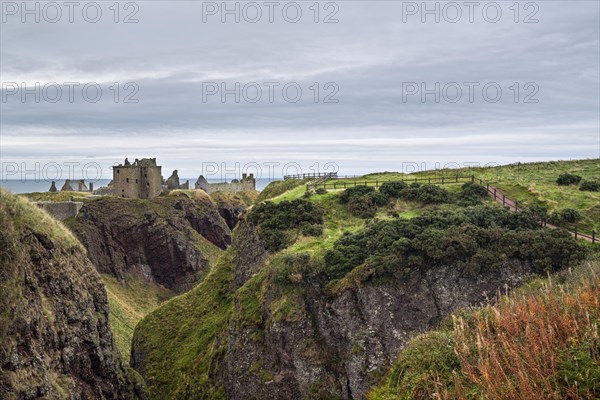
363, 201
321, 191
568, 179
357, 191
472, 238
427, 194
393, 189
275, 220
363, 206
472, 194
566, 215
590, 186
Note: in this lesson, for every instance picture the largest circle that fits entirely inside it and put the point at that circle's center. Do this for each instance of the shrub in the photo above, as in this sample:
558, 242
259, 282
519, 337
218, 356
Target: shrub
363, 201
311, 229
431, 194
307, 194
568, 179
476, 237
393, 189
570, 215
357, 191
321, 191
363, 206
275, 220
590, 186
472, 194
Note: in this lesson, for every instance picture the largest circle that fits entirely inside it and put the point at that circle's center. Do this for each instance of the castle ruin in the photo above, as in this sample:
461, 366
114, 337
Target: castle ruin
246, 183
140, 180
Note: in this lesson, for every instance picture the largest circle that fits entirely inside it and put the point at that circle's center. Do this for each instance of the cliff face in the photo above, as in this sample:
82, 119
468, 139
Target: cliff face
169, 240
294, 341
54, 331
335, 346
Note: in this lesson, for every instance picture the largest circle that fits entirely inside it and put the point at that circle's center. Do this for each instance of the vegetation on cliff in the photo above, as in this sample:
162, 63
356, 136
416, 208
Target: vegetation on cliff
55, 338
324, 315
539, 342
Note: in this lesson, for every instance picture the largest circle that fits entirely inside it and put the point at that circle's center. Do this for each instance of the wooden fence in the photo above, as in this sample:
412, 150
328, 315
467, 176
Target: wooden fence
314, 175
344, 184
494, 192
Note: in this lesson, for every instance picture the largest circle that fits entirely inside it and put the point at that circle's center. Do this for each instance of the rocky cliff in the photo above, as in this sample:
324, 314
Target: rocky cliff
169, 240
55, 339
306, 342
306, 323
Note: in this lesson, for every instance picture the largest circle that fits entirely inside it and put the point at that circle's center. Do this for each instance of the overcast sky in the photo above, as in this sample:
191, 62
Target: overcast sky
370, 68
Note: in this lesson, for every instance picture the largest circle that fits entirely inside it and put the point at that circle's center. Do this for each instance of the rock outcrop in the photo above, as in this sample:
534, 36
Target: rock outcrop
335, 345
167, 240
55, 339
305, 340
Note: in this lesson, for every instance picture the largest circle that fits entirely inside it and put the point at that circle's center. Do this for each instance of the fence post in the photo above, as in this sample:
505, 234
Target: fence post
456, 179
494, 193
593, 237
377, 184
334, 185
429, 180
503, 199
575, 231
442, 180
516, 205
472, 178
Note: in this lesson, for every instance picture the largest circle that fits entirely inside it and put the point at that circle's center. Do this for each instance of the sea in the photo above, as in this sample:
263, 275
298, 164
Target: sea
17, 186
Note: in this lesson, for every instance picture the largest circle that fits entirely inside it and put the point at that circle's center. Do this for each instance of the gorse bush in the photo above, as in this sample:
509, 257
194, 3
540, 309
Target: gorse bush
363, 201
472, 194
568, 179
357, 191
393, 189
276, 221
590, 186
321, 191
566, 215
363, 206
472, 238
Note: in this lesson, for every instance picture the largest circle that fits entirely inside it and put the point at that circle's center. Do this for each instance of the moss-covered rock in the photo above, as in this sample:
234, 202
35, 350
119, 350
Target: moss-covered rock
55, 339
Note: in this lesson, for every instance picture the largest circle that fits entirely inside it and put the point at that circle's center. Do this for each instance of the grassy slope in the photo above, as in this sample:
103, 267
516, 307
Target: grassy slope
193, 323
535, 183
531, 183
55, 196
541, 341
196, 322
129, 303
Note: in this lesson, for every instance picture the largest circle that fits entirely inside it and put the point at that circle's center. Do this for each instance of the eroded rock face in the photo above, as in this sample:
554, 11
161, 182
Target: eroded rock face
158, 238
335, 346
250, 252
55, 339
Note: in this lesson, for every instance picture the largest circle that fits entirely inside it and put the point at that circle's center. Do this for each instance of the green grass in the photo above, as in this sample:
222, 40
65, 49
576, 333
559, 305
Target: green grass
529, 184
277, 188
25, 215
55, 196
185, 338
129, 302
535, 183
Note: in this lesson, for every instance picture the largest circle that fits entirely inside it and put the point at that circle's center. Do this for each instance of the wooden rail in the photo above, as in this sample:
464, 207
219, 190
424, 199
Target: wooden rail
494, 192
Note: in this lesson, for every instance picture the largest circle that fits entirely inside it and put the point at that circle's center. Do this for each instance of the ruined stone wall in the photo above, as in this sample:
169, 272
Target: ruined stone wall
60, 210
231, 187
126, 181
151, 182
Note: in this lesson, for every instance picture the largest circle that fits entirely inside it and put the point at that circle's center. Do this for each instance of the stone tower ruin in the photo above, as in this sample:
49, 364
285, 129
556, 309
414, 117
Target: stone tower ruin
140, 180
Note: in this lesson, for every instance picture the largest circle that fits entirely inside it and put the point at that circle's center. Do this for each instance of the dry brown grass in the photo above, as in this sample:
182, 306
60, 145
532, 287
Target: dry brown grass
521, 348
